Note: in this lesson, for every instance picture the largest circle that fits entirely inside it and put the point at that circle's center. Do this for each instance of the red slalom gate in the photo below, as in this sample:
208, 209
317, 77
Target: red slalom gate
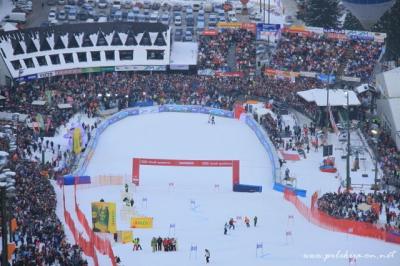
137, 162
321, 219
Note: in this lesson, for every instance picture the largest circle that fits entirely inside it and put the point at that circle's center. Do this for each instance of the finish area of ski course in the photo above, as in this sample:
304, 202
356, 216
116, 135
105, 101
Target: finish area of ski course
200, 200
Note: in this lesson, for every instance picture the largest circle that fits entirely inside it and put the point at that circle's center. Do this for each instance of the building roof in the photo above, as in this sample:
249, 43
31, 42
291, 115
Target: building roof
336, 97
390, 83
72, 34
89, 28
394, 104
184, 53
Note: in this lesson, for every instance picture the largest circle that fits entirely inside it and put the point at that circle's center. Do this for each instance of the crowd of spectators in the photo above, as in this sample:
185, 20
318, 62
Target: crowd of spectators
386, 152
360, 206
213, 50
167, 243
245, 50
322, 54
91, 93
39, 236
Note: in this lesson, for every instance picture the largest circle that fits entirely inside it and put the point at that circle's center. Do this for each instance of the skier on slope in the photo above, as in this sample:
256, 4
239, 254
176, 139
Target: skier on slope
207, 255
212, 120
226, 228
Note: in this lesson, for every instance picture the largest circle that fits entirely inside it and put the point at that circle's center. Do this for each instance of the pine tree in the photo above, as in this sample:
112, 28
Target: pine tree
390, 24
352, 23
320, 13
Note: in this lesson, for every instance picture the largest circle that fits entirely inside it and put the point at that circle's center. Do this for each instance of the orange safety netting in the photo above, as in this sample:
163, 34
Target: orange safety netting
94, 242
86, 246
102, 245
317, 217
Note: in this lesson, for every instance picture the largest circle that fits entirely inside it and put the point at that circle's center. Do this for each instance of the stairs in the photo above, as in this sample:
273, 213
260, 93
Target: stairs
231, 60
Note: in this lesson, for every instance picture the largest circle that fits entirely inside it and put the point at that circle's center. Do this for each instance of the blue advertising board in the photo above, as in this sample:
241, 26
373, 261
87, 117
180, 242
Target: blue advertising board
265, 31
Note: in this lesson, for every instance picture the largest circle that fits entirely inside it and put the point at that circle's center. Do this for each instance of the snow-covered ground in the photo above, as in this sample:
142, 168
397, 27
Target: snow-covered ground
189, 136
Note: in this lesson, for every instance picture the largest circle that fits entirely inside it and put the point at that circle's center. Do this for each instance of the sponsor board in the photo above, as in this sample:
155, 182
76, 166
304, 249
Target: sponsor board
281, 73
142, 222
210, 33
103, 217
236, 74
229, 25
205, 72
151, 68
179, 67
46, 74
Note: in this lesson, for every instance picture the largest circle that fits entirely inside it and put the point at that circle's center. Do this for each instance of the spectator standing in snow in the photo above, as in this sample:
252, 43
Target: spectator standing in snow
247, 221
231, 224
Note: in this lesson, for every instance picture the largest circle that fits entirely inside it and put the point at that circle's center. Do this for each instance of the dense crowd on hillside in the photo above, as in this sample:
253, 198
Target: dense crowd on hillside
360, 206
213, 50
245, 50
127, 89
388, 155
320, 54
40, 238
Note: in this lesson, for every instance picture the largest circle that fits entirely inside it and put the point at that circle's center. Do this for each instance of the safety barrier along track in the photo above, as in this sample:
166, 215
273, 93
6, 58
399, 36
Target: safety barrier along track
323, 220
103, 245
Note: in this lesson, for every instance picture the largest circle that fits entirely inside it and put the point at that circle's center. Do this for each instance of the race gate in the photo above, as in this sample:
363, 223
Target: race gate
137, 162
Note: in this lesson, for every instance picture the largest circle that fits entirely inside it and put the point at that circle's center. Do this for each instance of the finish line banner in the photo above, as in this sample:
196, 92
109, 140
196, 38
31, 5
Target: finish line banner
193, 163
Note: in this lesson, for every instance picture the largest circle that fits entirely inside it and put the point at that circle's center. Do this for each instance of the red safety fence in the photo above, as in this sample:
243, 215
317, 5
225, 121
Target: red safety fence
86, 245
102, 245
317, 217
94, 242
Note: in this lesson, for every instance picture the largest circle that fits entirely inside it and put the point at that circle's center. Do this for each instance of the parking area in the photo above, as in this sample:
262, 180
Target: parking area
185, 19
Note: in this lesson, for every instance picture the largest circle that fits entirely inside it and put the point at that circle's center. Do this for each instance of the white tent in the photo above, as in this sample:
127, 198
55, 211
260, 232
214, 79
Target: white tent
388, 83
183, 54
336, 97
388, 106
10, 26
362, 88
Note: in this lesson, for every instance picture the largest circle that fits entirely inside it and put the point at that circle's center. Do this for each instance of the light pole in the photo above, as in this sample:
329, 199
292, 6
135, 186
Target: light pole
7, 189
348, 179
264, 12
4, 255
375, 134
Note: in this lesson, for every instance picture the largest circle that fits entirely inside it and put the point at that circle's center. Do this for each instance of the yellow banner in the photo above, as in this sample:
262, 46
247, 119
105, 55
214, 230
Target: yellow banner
104, 217
142, 222
235, 25
126, 237
77, 140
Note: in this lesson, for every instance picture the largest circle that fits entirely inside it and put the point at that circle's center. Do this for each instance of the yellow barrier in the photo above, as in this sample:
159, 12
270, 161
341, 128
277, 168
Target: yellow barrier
142, 222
